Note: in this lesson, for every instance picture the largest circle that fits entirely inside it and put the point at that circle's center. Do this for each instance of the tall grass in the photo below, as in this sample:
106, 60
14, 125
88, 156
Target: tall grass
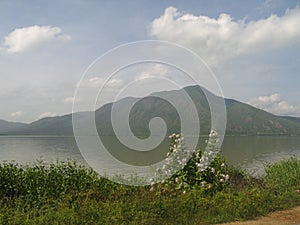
68, 193
284, 175
35, 184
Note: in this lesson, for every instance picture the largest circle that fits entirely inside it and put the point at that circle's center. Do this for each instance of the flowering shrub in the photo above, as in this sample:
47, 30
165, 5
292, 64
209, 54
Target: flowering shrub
206, 170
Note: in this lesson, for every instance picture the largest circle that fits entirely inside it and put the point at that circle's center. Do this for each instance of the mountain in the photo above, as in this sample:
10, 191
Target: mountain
245, 119
293, 119
152, 106
6, 126
59, 125
242, 119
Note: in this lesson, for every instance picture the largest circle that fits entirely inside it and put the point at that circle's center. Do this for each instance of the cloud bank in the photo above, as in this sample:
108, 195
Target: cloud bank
223, 38
17, 114
152, 71
47, 114
98, 82
274, 104
27, 38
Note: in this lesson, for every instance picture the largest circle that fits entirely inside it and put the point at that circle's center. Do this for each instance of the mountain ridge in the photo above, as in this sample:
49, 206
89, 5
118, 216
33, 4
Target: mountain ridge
242, 118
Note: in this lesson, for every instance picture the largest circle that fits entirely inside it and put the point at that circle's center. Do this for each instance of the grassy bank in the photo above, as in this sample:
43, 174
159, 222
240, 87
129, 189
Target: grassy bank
67, 193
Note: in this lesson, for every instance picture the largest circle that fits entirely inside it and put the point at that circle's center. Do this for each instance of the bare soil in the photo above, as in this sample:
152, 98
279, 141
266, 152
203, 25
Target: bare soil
287, 217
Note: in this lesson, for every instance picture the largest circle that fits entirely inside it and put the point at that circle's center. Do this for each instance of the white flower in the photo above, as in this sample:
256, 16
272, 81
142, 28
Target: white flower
176, 179
213, 133
177, 136
221, 180
213, 170
223, 164
184, 192
226, 177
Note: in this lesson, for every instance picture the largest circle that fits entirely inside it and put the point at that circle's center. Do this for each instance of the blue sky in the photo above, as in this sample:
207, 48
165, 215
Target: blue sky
45, 46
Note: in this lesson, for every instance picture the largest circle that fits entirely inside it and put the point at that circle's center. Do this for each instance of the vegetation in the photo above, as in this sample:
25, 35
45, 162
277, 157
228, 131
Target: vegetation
68, 193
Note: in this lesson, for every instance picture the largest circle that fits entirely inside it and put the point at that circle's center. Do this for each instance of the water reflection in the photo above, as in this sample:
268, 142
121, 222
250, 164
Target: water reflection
251, 153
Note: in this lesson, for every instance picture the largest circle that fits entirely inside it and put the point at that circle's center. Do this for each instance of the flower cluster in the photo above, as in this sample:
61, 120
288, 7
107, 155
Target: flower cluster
211, 151
176, 159
206, 170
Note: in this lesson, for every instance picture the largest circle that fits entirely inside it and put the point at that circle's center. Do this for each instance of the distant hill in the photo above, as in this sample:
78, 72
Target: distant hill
293, 119
242, 119
6, 126
245, 119
59, 125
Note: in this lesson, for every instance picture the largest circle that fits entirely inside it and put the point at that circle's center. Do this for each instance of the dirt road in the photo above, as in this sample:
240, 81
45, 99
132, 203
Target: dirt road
288, 217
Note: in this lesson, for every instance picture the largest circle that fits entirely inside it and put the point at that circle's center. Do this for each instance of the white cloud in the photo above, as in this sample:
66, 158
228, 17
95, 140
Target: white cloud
223, 38
114, 83
91, 82
47, 114
156, 70
17, 114
276, 105
97, 82
27, 38
71, 100
65, 37
270, 99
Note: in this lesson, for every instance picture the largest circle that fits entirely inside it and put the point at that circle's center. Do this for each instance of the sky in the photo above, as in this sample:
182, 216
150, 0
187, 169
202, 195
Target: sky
252, 47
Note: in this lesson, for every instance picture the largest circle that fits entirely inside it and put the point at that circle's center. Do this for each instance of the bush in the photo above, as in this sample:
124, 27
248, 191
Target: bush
284, 175
205, 170
36, 183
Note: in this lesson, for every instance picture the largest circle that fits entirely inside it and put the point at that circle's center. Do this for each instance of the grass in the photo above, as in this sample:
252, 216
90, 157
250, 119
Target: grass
68, 193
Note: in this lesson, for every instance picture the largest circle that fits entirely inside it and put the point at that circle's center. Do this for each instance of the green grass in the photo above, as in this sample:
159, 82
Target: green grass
68, 193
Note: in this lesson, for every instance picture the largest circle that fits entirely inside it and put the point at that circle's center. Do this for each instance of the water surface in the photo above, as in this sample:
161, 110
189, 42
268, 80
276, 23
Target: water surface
251, 153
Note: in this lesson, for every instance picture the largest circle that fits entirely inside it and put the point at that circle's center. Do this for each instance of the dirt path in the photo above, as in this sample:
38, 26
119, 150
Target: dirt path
288, 217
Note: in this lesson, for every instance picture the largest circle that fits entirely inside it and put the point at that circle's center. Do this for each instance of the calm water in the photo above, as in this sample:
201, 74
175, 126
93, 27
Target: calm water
251, 153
